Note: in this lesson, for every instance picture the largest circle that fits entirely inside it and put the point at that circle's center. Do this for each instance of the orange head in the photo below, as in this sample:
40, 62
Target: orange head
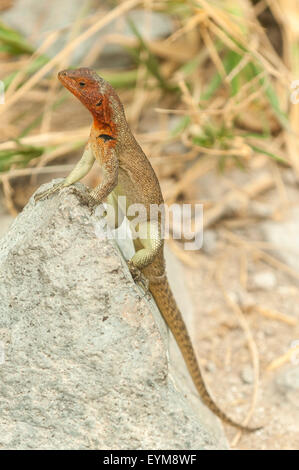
97, 95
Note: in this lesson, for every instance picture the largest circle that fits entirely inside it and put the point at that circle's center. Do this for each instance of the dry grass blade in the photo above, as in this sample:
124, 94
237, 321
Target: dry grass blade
212, 50
34, 171
280, 361
8, 195
49, 138
275, 315
23, 70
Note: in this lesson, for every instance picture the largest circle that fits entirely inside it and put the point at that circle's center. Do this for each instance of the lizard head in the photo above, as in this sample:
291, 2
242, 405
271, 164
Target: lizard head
97, 96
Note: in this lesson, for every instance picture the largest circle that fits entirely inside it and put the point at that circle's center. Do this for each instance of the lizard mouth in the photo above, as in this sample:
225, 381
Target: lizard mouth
62, 74
65, 79
70, 83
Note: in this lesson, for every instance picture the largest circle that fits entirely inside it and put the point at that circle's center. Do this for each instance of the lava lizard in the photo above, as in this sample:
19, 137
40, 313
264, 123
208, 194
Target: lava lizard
127, 172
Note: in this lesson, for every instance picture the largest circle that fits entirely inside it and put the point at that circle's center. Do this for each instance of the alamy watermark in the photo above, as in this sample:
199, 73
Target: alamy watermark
177, 221
148, 222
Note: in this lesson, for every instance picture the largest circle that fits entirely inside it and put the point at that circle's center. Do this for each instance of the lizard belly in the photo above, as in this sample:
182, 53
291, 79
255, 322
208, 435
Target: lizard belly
130, 192
122, 197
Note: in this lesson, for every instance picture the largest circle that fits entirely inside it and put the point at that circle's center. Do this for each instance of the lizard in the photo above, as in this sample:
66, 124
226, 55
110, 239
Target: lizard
127, 171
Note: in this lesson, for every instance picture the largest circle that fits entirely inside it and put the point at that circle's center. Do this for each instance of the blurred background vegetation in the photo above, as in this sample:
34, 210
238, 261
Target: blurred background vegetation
201, 78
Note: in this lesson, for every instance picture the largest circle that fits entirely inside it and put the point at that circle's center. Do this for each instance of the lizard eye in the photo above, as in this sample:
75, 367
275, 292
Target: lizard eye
81, 84
99, 102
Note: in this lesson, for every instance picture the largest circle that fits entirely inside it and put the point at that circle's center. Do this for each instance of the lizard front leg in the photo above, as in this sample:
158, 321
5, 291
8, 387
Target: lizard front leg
109, 163
81, 169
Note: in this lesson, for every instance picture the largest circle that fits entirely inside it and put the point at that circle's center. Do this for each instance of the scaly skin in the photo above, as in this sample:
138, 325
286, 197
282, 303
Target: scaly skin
127, 172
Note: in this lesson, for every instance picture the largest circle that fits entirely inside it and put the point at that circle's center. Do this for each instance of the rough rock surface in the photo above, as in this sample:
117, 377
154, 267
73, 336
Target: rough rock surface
85, 361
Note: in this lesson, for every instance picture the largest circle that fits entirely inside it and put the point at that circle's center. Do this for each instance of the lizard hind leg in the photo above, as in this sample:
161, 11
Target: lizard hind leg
147, 246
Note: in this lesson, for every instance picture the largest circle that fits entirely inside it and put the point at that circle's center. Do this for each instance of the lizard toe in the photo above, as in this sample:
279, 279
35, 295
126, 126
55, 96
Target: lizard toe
85, 197
45, 194
138, 277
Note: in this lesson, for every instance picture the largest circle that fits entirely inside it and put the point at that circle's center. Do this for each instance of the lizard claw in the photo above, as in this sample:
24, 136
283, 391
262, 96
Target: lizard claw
44, 194
86, 198
138, 277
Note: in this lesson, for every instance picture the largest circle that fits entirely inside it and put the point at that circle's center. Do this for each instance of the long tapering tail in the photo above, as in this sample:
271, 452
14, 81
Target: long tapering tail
163, 296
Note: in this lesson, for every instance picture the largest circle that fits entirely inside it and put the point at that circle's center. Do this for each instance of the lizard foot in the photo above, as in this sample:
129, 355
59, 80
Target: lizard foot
44, 194
138, 277
86, 198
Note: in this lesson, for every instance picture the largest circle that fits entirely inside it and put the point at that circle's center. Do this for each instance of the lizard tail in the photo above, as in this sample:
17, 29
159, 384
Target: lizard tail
164, 299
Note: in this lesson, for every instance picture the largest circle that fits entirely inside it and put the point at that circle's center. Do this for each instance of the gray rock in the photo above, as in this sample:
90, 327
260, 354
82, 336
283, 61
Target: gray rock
85, 353
284, 235
36, 19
